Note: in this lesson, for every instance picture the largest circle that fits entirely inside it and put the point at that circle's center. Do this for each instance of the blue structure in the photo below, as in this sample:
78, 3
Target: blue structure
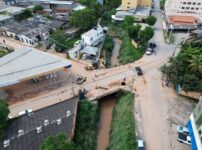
191, 134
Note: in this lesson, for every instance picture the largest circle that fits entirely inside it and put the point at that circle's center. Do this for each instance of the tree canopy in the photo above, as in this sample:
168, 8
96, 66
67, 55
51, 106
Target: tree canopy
83, 19
58, 38
151, 20
146, 34
37, 8
186, 68
128, 21
4, 111
58, 142
133, 31
27, 13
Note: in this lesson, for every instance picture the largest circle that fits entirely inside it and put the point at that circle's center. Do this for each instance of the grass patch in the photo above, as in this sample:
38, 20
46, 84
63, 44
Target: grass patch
70, 42
128, 53
122, 133
86, 126
4, 52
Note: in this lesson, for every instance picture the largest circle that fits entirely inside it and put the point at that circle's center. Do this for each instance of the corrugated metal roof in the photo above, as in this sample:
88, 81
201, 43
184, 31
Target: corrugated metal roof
26, 63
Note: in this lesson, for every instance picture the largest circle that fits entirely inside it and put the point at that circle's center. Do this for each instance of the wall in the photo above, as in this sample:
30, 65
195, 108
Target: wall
198, 115
129, 4
146, 3
184, 7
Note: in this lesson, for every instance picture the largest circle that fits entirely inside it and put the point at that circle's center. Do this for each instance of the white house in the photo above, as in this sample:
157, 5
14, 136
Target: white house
93, 37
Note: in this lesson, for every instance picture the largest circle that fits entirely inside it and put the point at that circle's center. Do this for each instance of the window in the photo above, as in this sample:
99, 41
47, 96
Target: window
184, 2
182, 7
189, 3
192, 8
128, 3
199, 3
194, 3
197, 8
187, 7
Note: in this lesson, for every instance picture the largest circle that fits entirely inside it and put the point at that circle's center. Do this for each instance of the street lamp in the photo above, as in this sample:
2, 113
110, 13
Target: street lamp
170, 27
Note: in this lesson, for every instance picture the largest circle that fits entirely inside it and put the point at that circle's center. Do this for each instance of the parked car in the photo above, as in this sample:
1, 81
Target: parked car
81, 79
152, 45
139, 71
140, 145
184, 138
149, 51
85, 56
182, 129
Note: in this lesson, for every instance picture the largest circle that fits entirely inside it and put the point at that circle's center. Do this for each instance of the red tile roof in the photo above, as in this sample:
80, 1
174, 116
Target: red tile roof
188, 20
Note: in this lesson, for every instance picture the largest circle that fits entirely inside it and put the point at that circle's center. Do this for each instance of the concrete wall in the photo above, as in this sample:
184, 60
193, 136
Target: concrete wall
129, 4
184, 7
146, 3
198, 115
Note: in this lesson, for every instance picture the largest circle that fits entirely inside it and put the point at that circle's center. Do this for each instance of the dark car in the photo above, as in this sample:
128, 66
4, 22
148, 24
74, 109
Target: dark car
139, 71
152, 45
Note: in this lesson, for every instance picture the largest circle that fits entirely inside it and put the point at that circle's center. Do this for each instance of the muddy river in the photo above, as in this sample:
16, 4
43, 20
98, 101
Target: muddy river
106, 106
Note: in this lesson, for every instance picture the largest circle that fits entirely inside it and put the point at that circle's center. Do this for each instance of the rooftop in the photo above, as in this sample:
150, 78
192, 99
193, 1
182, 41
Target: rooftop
93, 32
185, 20
28, 63
90, 50
12, 10
59, 118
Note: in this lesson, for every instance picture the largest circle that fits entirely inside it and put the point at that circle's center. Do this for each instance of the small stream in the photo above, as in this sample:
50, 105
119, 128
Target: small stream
106, 107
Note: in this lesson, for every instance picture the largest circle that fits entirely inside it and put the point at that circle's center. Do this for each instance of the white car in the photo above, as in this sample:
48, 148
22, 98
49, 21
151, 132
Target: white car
182, 129
140, 144
85, 56
184, 138
149, 51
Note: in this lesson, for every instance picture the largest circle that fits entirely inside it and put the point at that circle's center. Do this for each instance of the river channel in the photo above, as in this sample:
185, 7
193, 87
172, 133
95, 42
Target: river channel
106, 107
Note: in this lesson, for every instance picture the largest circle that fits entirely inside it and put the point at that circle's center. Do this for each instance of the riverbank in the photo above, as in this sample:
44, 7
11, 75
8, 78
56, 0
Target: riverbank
86, 126
122, 132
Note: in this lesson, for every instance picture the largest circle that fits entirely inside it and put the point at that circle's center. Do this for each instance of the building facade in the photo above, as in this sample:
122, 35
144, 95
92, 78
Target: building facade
184, 8
133, 4
195, 127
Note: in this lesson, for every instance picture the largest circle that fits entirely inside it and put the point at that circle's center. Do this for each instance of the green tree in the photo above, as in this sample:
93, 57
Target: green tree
146, 34
37, 8
83, 19
27, 13
58, 142
151, 20
4, 111
133, 31
111, 4
128, 21
58, 38
186, 68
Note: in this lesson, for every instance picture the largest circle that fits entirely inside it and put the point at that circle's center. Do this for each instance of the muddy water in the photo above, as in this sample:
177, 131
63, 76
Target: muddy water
106, 106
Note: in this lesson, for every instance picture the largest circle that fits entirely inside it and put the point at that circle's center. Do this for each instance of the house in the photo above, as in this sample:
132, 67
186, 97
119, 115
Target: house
31, 31
139, 9
133, 4
7, 13
195, 126
93, 37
